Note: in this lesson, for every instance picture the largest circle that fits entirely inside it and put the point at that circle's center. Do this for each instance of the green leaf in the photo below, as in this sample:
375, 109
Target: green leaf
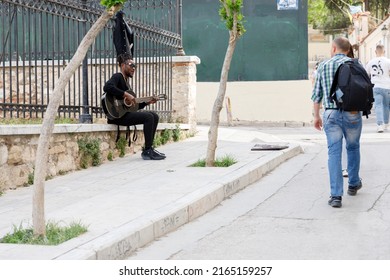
229, 10
110, 3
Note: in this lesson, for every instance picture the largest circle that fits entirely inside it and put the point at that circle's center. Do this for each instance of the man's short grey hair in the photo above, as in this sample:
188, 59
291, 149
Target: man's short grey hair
380, 48
342, 44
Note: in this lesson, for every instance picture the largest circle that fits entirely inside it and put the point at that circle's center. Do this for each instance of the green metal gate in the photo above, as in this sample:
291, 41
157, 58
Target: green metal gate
273, 48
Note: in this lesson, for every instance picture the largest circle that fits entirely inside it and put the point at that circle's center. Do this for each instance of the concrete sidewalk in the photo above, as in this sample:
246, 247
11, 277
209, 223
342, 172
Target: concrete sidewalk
130, 202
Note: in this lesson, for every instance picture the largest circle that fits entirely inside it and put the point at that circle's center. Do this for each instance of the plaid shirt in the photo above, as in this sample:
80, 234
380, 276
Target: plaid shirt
324, 78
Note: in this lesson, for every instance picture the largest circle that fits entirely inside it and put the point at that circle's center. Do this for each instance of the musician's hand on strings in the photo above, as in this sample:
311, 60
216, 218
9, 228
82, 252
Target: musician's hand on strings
154, 100
129, 99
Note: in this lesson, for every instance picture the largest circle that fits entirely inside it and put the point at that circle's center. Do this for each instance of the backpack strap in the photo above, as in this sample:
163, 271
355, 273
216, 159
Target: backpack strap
118, 134
333, 88
128, 132
135, 135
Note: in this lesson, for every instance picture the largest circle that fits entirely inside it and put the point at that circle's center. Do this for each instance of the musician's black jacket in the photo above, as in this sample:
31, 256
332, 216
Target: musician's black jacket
117, 87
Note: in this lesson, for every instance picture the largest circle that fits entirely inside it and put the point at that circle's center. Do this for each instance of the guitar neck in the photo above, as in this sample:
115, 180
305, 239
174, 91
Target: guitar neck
143, 99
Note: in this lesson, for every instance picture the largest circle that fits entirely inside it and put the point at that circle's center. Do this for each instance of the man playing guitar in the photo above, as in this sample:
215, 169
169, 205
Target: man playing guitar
119, 87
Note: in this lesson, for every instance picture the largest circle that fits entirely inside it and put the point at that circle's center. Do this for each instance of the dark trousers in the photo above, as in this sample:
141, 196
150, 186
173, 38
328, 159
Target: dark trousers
147, 118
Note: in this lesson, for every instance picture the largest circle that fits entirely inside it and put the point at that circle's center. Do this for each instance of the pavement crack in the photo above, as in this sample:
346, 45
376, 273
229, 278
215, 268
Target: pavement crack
379, 198
299, 172
293, 218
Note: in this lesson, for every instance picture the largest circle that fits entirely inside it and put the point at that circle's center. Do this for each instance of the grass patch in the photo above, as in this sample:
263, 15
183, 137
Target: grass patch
224, 161
54, 234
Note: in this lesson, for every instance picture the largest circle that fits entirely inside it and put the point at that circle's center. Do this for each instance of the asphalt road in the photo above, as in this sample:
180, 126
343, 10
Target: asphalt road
285, 214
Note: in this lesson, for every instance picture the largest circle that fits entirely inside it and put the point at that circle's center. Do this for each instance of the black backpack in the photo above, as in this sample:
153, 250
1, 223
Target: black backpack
352, 89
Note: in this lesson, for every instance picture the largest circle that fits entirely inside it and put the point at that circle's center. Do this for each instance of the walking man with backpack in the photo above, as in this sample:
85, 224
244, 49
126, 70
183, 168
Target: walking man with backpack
378, 68
337, 124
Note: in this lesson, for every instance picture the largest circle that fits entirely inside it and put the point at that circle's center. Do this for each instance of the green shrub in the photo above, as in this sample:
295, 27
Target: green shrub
30, 178
157, 141
110, 156
166, 136
89, 150
121, 146
176, 133
62, 172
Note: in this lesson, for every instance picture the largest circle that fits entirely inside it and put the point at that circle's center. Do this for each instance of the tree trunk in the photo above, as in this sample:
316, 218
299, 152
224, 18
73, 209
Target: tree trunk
366, 6
38, 214
213, 131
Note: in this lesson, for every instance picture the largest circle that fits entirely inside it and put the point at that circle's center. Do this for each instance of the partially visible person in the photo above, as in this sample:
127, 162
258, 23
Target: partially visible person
350, 52
379, 70
344, 152
314, 73
337, 124
118, 86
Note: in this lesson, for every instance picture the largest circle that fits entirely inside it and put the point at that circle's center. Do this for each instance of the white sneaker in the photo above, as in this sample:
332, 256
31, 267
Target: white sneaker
345, 173
380, 129
386, 126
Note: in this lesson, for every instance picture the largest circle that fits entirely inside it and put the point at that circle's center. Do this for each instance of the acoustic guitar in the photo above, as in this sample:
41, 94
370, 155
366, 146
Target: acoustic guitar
115, 108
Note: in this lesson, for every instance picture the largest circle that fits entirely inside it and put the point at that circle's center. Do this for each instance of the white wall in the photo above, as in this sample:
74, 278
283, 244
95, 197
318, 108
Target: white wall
367, 48
319, 51
273, 101
368, 43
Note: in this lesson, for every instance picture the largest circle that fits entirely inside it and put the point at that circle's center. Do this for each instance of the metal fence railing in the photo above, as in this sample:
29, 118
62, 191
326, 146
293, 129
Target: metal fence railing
38, 38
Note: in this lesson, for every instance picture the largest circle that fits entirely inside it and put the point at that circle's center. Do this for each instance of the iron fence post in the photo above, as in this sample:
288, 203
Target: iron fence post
85, 117
179, 17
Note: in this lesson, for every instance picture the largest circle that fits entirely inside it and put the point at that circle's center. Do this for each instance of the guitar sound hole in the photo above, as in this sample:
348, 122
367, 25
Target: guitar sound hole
127, 102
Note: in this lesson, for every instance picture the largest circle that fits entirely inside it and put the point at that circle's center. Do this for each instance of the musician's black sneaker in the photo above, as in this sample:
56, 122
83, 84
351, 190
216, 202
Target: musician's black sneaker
149, 154
158, 152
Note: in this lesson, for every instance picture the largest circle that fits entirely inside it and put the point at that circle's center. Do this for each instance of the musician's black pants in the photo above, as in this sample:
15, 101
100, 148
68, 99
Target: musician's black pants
147, 118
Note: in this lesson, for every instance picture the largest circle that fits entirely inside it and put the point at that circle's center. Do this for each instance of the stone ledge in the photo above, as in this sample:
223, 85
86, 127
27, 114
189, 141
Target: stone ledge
77, 128
193, 59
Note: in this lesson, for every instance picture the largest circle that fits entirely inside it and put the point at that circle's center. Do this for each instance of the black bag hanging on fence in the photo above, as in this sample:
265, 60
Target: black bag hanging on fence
123, 36
352, 89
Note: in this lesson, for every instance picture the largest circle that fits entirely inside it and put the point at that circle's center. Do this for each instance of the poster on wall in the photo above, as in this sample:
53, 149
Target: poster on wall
287, 4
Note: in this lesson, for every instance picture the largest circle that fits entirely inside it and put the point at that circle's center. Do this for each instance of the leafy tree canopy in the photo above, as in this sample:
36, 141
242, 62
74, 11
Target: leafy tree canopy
331, 16
110, 3
230, 9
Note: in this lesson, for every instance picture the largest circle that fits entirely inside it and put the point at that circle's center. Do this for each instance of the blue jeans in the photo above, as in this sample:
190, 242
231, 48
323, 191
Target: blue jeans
338, 125
381, 96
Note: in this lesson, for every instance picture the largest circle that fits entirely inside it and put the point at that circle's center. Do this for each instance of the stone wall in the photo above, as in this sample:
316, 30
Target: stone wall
18, 145
184, 89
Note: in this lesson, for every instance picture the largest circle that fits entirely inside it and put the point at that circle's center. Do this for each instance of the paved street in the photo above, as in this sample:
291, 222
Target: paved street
285, 214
